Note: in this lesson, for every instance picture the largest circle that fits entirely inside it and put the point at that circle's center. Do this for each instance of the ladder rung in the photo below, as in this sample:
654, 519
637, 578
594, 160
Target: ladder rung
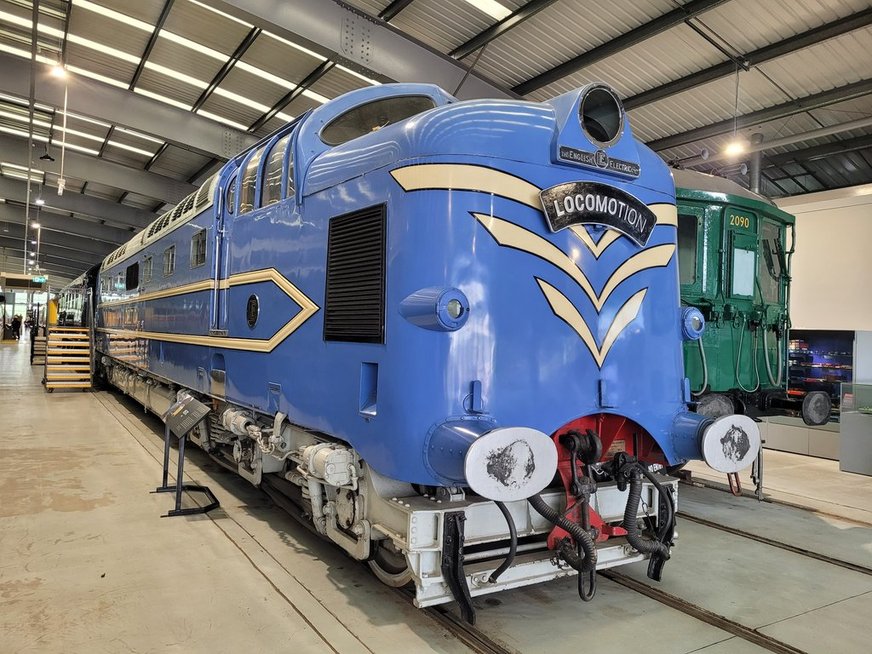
68, 385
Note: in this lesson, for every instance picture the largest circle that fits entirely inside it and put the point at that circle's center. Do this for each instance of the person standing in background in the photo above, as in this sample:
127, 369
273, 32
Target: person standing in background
16, 327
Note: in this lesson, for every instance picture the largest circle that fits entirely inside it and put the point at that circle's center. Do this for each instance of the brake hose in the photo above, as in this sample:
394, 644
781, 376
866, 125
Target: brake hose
513, 543
739, 359
585, 559
704, 369
773, 380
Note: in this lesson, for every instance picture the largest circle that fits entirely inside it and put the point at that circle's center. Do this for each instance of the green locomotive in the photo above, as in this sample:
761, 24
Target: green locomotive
734, 250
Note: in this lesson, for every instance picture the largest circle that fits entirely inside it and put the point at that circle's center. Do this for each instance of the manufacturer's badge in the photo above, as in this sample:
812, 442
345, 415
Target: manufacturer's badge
599, 159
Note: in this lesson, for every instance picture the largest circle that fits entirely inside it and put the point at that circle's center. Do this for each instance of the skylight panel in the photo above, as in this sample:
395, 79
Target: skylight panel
491, 7
354, 73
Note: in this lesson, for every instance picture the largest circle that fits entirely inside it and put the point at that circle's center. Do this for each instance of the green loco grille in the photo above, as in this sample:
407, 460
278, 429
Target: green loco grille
355, 297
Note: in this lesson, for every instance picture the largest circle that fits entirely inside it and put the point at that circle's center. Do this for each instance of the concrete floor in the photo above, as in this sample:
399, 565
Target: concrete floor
87, 564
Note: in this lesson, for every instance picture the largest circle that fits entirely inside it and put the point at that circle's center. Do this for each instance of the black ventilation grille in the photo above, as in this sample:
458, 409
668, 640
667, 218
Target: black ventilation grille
354, 306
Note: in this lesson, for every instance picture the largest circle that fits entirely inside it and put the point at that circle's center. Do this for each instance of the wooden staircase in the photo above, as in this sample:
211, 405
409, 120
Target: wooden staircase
68, 361
37, 354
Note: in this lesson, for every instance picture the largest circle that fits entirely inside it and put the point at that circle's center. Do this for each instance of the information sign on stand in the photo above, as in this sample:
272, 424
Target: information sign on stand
179, 420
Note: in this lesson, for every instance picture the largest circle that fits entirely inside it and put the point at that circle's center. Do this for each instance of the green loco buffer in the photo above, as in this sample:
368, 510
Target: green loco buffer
734, 255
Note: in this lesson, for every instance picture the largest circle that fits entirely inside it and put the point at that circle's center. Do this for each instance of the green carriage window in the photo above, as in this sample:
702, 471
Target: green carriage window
770, 263
744, 268
688, 230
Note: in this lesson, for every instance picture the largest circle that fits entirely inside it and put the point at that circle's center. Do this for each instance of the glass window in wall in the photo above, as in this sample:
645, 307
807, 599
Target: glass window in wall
198, 248
688, 228
169, 260
249, 183
271, 186
147, 267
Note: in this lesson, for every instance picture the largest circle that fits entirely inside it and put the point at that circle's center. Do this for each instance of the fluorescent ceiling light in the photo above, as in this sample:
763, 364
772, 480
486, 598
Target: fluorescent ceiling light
139, 135
97, 76
115, 15
174, 74
491, 7
21, 132
311, 53
24, 119
366, 79
131, 148
162, 98
222, 120
221, 13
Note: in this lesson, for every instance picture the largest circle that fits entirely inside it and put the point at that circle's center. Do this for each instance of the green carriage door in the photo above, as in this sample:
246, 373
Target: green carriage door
742, 228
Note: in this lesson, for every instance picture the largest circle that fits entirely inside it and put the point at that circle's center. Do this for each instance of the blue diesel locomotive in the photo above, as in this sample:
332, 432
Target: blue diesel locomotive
450, 332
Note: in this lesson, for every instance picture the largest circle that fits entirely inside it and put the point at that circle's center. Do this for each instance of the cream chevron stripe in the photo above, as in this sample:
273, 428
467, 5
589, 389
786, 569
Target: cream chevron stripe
600, 246
467, 177
481, 179
566, 311
511, 235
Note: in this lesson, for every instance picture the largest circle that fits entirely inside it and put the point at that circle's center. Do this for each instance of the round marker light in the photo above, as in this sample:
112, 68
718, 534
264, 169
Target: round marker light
454, 308
692, 324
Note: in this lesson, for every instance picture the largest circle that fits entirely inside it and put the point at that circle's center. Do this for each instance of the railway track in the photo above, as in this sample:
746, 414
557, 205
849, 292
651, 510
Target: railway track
704, 615
855, 567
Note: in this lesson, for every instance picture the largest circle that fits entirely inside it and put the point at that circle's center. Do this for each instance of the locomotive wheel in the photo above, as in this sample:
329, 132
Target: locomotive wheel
715, 405
389, 565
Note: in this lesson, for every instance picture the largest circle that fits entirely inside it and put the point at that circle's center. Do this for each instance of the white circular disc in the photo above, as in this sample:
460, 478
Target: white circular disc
510, 463
731, 443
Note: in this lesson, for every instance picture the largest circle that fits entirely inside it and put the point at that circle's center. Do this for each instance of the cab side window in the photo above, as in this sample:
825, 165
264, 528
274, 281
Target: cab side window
271, 186
688, 230
248, 183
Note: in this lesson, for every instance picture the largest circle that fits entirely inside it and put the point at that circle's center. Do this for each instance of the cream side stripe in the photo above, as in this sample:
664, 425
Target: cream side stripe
511, 235
193, 287
565, 310
307, 309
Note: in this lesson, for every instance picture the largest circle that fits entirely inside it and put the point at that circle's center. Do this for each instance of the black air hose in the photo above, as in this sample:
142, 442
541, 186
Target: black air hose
584, 562
513, 544
634, 537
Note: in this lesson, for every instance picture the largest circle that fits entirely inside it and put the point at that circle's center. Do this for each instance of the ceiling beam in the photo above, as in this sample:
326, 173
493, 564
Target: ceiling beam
14, 263
783, 110
57, 254
101, 171
781, 48
122, 107
496, 30
344, 34
323, 68
146, 53
87, 205
395, 7
47, 237
820, 151
227, 67
66, 224
626, 40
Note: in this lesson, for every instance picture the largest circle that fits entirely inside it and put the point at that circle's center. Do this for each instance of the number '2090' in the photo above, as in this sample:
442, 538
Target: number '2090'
740, 221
